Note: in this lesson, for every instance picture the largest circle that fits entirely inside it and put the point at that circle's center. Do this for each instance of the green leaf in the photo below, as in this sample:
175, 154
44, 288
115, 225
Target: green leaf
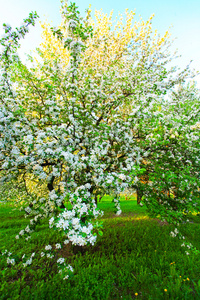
100, 233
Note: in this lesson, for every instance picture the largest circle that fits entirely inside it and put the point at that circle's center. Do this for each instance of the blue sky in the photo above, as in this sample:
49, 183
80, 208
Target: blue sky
183, 15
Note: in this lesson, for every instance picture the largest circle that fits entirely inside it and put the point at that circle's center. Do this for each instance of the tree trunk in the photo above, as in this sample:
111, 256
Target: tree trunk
139, 195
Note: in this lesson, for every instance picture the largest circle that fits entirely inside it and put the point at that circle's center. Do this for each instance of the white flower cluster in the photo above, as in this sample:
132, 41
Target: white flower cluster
8, 254
117, 206
48, 252
58, 246
28, 261
196, 126
174, 233
48, 247
61, 260
77, 232
64, 270
11, 261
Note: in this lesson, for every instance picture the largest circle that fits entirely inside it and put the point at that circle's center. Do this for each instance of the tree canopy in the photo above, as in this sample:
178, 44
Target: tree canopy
97, 112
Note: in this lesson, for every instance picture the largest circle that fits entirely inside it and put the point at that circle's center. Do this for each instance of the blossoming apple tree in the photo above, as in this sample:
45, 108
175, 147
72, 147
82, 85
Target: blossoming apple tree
98, 120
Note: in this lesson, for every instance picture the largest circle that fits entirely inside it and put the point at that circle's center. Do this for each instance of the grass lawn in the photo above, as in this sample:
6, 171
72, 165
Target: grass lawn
136, 258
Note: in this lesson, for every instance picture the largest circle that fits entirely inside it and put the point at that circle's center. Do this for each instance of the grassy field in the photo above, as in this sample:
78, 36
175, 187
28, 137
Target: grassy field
134, 259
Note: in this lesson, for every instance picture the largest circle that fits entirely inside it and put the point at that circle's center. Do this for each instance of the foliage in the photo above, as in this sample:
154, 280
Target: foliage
103, 118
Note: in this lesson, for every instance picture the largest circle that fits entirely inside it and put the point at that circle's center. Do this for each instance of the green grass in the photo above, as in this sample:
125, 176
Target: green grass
134, 259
